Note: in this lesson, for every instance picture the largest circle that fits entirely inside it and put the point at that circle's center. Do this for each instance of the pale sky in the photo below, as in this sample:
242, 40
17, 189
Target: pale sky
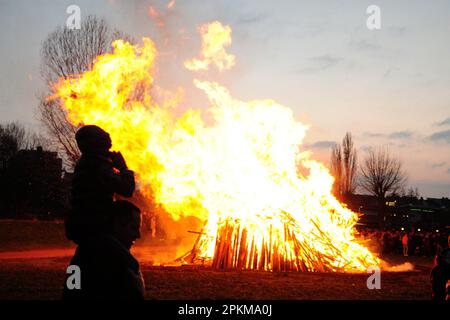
388, 86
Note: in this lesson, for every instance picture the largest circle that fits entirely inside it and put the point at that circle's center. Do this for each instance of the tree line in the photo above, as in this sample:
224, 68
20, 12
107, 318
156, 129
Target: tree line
379, 174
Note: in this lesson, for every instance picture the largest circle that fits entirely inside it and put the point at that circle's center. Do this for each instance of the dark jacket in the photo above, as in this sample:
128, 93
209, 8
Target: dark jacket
108, 271
440, 274
95, 181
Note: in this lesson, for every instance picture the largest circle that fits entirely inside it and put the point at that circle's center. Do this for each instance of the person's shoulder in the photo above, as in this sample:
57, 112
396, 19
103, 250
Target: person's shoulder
99, 164
86, 161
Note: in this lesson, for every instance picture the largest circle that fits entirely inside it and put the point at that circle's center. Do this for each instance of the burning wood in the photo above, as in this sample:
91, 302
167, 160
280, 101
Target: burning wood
271, 250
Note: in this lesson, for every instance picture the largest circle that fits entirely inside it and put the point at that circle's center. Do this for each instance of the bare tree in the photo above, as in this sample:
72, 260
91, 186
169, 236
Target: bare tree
381, 173
412, 193
68, 52
344, 166
350, 164
8, 147
61, 131
336, 169
25, 139
14, 137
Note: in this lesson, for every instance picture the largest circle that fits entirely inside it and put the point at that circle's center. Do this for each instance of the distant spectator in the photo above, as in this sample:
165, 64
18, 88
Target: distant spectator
405, 241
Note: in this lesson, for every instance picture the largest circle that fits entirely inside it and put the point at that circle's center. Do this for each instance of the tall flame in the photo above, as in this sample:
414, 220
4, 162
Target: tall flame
242, 170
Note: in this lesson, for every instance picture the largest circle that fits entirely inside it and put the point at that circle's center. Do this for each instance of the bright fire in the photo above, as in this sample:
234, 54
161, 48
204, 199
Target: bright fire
266, 205
215, 37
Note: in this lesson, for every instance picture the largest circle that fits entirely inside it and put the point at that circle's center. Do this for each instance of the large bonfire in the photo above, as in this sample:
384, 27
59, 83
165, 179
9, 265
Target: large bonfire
266, 204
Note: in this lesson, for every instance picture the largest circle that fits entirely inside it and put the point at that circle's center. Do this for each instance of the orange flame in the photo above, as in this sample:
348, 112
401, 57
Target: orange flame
156, 16
243, 168
215, 37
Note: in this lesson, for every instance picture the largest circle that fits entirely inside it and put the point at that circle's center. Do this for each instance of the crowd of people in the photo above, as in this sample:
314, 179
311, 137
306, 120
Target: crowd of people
416, 242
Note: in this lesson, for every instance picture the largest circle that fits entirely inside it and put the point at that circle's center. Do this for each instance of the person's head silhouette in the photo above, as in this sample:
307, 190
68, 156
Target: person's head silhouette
93, 140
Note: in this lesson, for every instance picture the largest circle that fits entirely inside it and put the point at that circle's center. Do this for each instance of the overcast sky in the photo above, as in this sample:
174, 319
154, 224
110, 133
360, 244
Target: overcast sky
388, 86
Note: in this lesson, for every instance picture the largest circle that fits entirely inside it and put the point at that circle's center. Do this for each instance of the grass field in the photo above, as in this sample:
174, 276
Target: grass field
21, 235
34, 256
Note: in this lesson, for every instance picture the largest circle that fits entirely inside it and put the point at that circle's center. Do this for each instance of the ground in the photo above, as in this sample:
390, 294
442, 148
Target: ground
34, 256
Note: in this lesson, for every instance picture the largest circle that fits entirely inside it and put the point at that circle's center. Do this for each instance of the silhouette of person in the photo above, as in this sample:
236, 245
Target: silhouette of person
440, 275
107, 268
99, 174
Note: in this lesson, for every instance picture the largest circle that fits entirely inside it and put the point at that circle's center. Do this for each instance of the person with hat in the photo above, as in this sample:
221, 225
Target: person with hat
99, 175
